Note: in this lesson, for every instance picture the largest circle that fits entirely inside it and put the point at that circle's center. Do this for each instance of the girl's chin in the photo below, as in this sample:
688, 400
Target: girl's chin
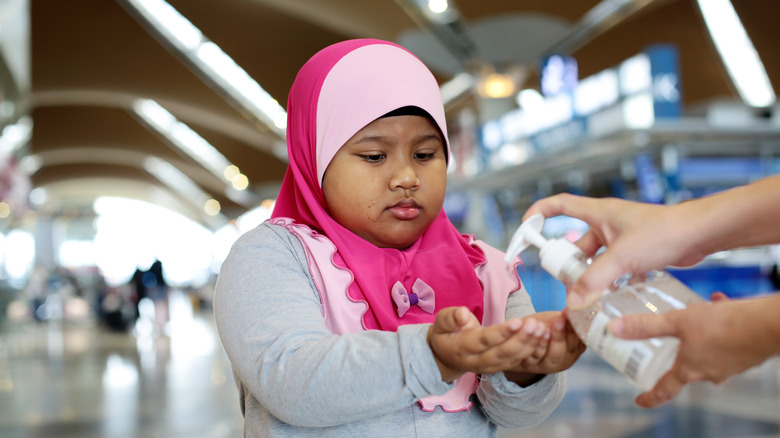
396, 241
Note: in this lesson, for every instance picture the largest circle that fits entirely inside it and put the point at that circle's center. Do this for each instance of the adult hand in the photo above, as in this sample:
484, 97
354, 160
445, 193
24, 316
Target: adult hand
460, 344
639, 237
717, 340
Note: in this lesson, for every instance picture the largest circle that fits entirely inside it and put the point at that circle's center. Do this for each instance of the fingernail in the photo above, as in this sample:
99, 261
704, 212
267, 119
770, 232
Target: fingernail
558, 325
530, 326
514, 324
540, 330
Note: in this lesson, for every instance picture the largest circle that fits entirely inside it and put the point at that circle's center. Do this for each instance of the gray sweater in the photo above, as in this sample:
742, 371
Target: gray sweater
297, 379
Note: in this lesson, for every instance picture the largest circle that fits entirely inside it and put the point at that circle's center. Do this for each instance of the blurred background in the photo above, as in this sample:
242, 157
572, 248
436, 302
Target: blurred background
140, 138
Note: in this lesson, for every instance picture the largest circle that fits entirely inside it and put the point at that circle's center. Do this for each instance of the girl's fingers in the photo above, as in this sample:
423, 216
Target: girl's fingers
481, 339
542, 334
520, 345
447, 320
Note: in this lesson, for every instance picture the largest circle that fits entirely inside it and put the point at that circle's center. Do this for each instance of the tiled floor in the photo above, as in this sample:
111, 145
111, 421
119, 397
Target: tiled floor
82, 381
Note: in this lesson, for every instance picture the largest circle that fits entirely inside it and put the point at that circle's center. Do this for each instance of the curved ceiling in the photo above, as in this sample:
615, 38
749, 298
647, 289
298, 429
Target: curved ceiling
91, 59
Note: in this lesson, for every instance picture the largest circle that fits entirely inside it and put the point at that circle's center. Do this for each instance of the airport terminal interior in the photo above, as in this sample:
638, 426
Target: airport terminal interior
140, 138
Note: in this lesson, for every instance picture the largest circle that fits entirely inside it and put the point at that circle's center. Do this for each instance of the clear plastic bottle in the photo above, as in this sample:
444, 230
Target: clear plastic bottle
642, 361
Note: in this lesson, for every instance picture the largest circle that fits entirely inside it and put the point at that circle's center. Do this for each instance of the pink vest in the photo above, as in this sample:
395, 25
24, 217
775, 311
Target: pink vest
343, 315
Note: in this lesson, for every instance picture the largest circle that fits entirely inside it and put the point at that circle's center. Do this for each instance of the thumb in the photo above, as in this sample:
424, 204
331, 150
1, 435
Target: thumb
597, 277
451, 319
644, 326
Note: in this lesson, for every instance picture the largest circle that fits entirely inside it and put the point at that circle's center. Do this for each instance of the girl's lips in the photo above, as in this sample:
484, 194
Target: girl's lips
405, 210
405, 213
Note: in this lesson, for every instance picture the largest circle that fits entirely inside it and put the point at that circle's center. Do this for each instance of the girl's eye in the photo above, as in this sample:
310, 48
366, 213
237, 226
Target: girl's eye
373, 158
424, 156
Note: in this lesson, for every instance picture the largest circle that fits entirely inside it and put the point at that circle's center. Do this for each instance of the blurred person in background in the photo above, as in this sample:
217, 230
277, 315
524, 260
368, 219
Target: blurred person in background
156, 289
718, 339
37, 290
138, 288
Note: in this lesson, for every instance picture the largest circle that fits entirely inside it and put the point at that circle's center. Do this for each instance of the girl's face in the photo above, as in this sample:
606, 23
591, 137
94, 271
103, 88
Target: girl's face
387, 183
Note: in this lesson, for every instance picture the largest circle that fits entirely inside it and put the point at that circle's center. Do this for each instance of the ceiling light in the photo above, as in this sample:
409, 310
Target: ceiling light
240, 182
170, 22
231, 172
737, 52
213, 62
497, 85
182, 136
236, 81
212, 207
438, 6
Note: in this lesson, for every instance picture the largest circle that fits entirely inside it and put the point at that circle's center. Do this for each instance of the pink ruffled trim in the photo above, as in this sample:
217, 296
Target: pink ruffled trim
321, 255
454, 400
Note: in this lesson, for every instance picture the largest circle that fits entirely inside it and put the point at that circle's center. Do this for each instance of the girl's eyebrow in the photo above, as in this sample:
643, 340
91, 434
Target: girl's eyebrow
370, 138
426, 137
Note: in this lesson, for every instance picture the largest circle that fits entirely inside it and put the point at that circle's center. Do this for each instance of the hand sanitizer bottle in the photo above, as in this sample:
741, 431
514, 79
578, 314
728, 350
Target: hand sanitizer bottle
642, 361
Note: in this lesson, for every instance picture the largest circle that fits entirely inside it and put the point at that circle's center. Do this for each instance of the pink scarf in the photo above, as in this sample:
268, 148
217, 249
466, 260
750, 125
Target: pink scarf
337, 92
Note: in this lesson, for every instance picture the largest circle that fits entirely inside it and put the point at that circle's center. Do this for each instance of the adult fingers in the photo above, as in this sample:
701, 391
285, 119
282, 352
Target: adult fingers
596, 278
667, 388
644, 326
564, 204
589, 243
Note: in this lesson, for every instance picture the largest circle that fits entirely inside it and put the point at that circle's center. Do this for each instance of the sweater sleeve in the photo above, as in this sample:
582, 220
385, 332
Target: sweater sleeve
510, 405
270, 322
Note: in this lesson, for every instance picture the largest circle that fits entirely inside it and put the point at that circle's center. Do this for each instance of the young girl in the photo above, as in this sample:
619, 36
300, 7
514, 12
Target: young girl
359, 309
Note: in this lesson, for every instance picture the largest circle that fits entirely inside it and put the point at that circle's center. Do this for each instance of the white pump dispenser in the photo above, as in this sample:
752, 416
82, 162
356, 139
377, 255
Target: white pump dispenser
561, 258
642, 361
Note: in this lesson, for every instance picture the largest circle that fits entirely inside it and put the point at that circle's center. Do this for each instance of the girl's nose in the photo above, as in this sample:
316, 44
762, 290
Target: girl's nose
404, 177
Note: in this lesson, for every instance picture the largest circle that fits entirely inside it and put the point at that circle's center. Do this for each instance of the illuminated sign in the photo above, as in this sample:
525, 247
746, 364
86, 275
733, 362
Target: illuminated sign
558, 75
632, 95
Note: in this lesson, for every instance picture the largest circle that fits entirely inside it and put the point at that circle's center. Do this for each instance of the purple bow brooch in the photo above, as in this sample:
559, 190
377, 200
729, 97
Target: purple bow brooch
420, 296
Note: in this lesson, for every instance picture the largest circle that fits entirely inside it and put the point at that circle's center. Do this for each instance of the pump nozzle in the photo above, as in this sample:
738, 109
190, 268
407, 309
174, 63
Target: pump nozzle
529, 233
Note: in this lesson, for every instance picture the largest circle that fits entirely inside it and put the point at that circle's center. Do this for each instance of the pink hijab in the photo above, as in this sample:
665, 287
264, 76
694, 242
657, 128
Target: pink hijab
337, 92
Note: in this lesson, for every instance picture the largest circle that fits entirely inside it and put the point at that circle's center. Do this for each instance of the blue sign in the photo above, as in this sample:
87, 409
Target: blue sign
664, 70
